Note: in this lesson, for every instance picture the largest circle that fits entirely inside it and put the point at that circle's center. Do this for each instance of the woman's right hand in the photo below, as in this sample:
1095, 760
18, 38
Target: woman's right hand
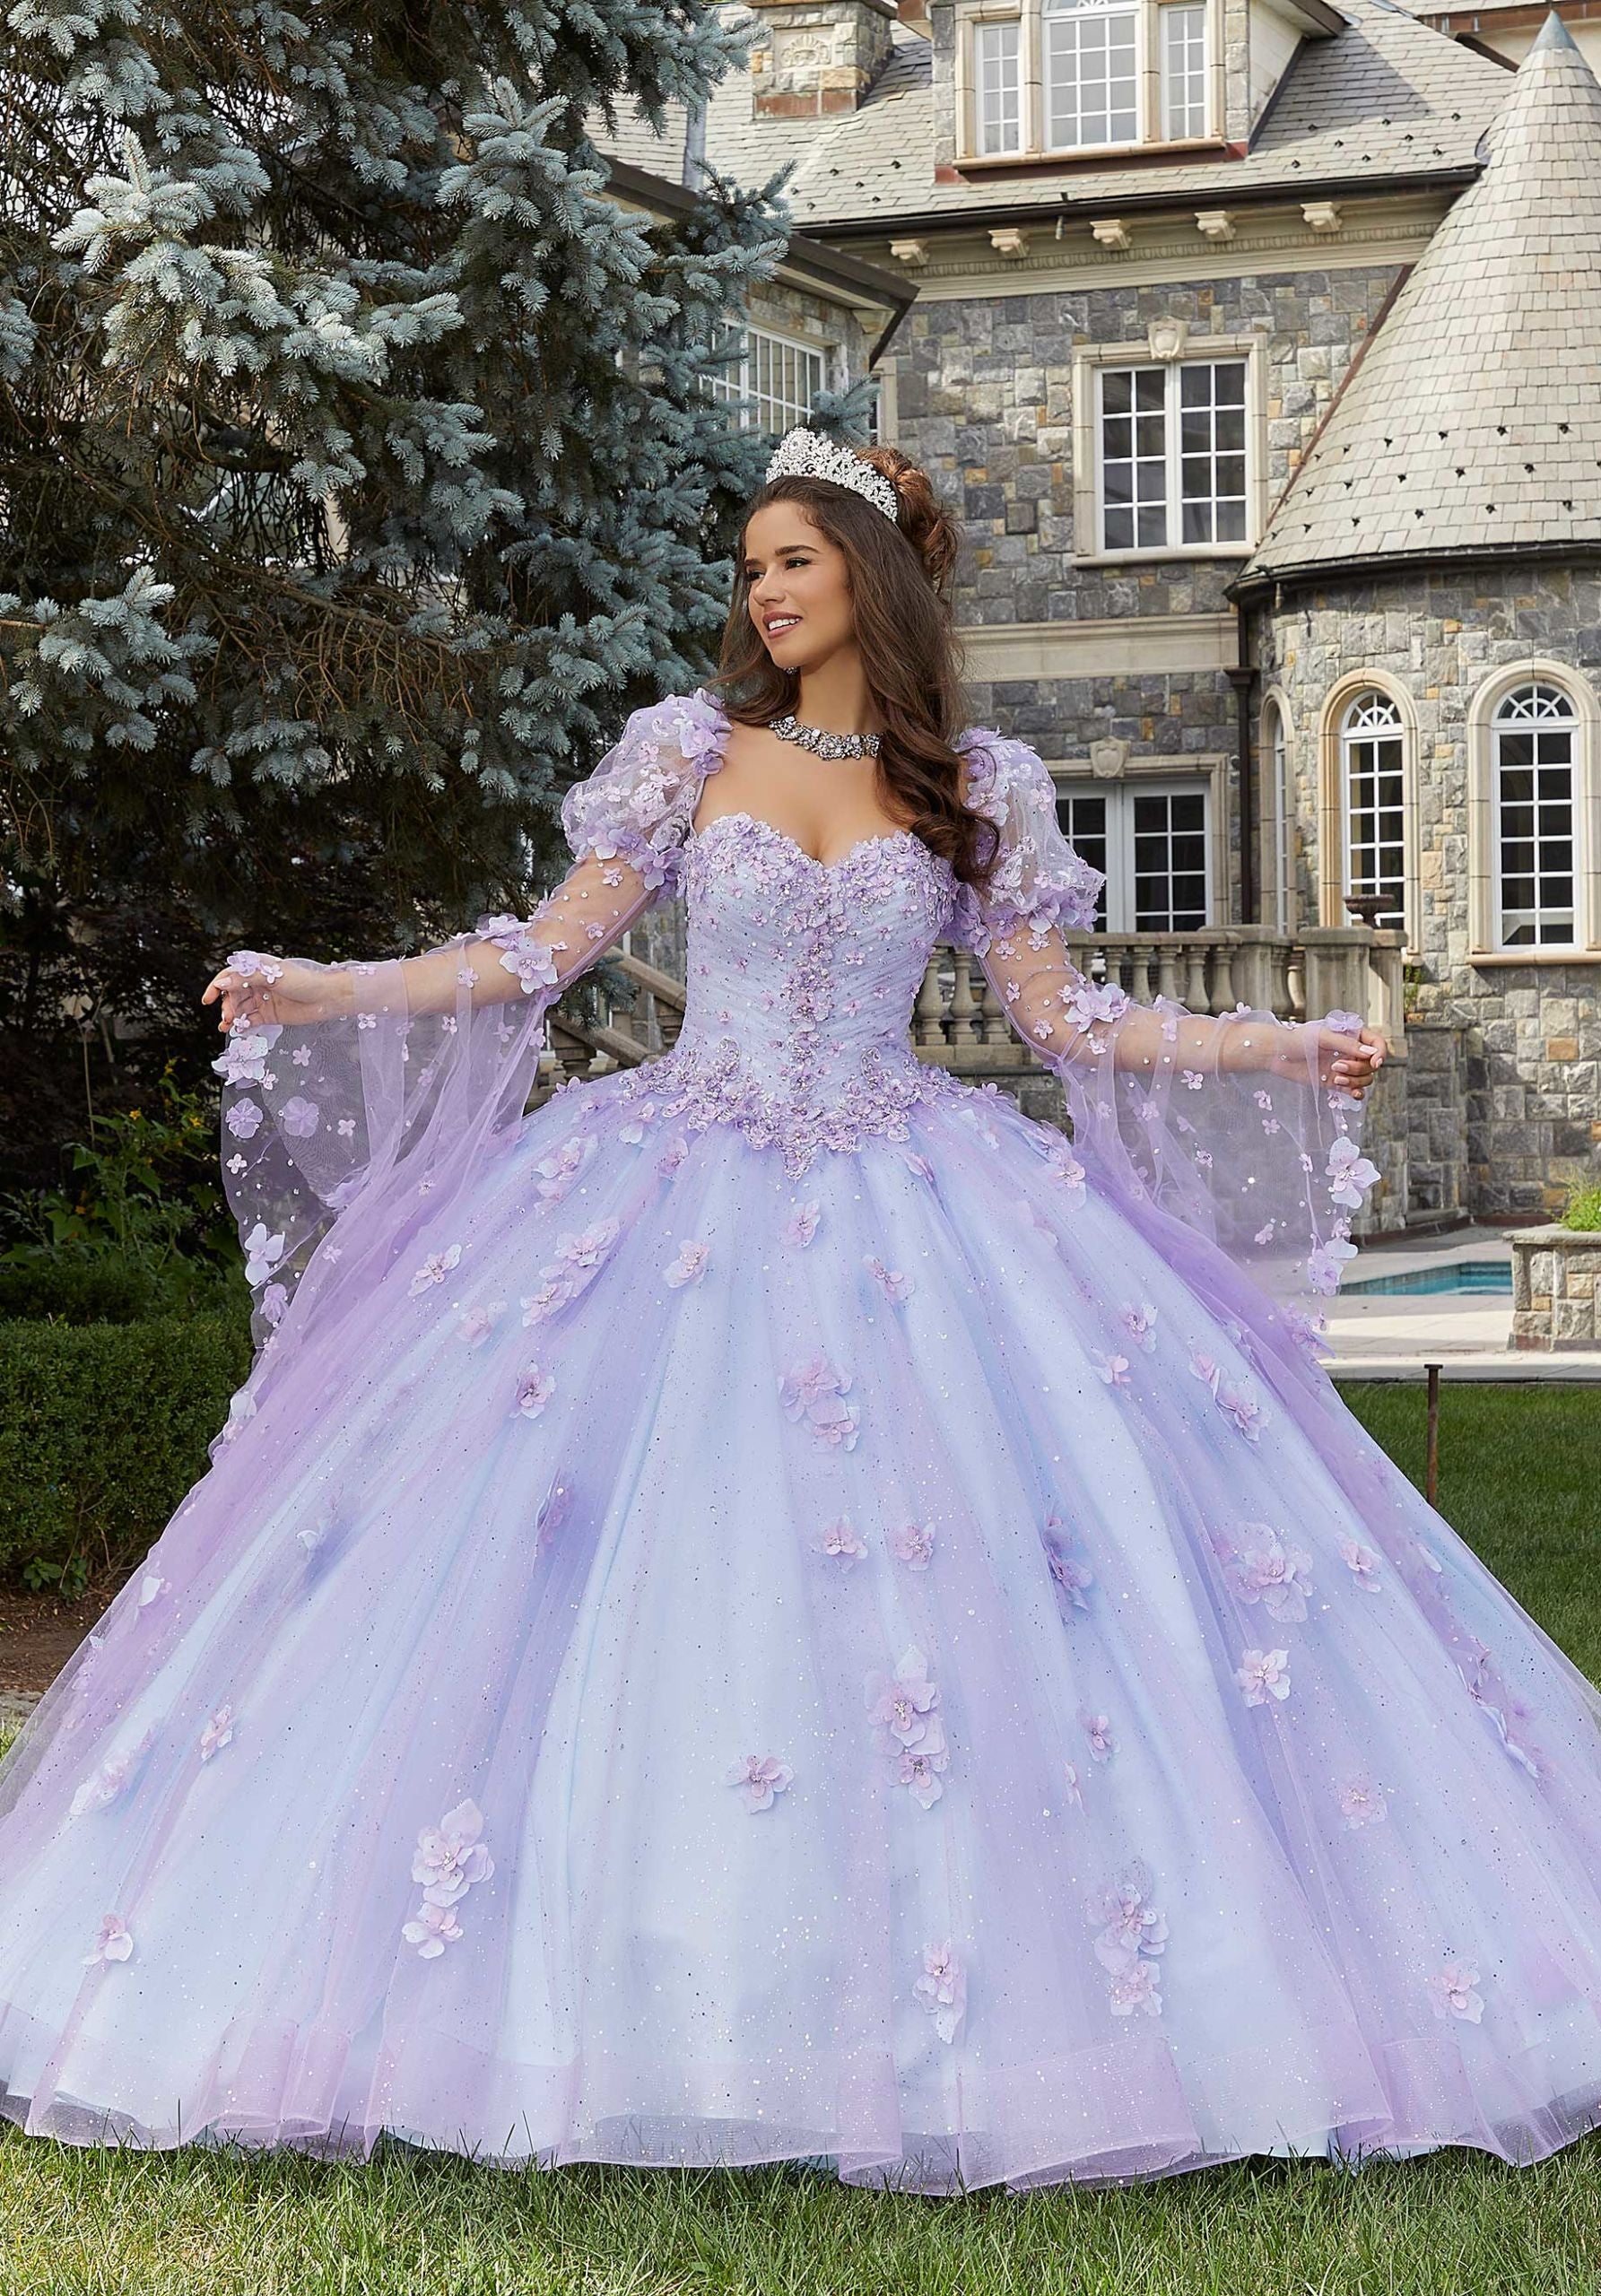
277, 989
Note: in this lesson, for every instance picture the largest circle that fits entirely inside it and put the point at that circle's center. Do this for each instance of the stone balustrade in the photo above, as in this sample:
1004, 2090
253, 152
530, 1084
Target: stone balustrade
958, 1022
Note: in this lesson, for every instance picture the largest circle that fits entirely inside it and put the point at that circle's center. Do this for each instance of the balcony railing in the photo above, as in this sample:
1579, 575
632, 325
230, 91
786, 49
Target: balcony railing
958, 1022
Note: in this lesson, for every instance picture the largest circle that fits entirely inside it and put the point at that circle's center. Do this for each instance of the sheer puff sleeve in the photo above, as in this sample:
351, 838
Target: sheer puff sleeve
358, 1099
1230, 1126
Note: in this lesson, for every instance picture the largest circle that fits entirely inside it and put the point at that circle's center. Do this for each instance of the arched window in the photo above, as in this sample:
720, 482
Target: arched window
1533, 767
1374, 804
1275, 815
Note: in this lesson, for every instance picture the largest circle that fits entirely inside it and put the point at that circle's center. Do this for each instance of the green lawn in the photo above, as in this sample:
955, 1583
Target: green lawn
1519, 1478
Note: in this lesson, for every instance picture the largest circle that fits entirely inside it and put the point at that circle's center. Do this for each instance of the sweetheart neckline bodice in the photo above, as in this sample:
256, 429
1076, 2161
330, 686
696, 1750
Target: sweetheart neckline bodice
863, 844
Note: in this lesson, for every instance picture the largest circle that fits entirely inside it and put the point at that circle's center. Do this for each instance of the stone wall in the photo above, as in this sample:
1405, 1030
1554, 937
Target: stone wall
985, 400
1528, 1078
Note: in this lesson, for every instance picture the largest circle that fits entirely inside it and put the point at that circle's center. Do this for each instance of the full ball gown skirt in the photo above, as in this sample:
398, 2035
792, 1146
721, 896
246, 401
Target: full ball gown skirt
733, 1649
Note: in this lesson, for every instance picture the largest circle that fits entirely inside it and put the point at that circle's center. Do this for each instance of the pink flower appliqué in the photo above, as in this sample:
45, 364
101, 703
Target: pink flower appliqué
813, 1394
1362, 1564
479, 1321
913, 1544
1098, 1729
1071, 1574
1324, 1263
1263, 1675
760, 1777
434, 1269
1130, 1933
1349, 1172
689, 1266
448, 1859
1361, 1803
896, 1288
217, 1733
802, 1225
1113, 1369
114, 1941
1140, 1323
903, 1709
1454, 1992
300, 1118
534, 1389
840, 1541
1276, 1576
105, 1783
942, 1988
556, 1172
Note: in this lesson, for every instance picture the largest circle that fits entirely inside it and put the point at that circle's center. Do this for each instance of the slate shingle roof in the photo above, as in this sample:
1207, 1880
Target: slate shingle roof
1474, 421
1386, 99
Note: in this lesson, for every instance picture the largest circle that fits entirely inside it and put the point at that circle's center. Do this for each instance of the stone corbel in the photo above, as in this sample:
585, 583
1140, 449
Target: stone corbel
1215, 224
1007, 239
1322, 215
911, 252
1110, 232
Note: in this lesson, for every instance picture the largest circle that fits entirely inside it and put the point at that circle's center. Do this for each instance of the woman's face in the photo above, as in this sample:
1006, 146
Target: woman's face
799, 590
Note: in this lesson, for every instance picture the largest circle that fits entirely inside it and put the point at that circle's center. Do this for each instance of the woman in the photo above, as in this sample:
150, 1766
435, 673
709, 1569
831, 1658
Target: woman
776, 1607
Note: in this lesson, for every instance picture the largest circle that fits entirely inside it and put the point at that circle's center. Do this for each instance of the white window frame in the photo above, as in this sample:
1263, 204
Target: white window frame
1369, 718
1551, 708
1195, 91
736, 381
1060, 18
1154, 776
1486, 943
1332, 821
1278, 811
979, 105
1000, 104
1091, 363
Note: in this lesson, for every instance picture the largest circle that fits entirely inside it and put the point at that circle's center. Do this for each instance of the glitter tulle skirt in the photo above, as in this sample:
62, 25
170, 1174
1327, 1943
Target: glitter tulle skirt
893, 1663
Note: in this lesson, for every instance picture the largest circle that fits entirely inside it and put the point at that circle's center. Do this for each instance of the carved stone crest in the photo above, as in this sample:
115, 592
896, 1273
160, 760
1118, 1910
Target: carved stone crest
1168, 337
1108, 758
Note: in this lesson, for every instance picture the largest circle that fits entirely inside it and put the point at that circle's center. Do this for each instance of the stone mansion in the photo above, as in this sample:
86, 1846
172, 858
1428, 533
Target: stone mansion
1258, 344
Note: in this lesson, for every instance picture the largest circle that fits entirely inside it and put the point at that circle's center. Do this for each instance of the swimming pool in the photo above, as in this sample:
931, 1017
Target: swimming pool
1470, 1275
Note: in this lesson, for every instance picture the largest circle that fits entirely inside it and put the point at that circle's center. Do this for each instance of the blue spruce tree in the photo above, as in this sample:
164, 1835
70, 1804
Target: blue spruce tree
357, 468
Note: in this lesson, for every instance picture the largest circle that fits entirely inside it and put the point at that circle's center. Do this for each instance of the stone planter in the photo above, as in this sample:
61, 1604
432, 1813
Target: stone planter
1556, 1287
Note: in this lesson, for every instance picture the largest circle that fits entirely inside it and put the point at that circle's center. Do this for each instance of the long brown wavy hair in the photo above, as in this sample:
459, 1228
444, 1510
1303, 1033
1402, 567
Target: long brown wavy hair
899, 578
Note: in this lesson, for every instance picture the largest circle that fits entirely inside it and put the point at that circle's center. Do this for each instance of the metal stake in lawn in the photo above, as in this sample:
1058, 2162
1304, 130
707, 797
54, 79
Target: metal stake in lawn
1431, 1467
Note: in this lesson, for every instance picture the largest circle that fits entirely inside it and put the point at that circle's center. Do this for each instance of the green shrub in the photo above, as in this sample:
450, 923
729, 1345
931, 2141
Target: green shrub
1584, 1209
103, 1428
93, 1287
145, 1194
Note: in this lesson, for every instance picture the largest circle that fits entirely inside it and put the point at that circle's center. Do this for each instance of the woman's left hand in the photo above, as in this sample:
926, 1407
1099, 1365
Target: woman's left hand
1349, 1064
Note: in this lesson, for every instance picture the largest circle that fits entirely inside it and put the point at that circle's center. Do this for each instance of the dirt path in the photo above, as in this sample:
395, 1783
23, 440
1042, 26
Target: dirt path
39, 1632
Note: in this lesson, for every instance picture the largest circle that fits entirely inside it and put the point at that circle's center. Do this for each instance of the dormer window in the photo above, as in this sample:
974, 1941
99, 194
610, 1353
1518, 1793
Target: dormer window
1092, 73
1048, 78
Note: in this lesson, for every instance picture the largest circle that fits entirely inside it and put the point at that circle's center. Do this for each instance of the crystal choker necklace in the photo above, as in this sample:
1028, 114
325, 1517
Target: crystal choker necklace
789, 728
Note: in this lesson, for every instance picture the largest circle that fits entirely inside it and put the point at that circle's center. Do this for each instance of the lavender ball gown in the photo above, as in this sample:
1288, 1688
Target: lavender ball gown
776, 1607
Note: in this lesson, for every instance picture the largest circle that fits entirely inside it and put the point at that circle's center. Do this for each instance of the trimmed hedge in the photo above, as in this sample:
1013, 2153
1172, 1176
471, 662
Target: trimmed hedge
103, 1428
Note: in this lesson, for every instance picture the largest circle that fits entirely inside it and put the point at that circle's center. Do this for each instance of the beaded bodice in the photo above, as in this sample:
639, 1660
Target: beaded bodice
800, 981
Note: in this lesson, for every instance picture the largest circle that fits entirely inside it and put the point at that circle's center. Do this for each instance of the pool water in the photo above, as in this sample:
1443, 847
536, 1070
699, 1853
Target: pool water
1477, 1275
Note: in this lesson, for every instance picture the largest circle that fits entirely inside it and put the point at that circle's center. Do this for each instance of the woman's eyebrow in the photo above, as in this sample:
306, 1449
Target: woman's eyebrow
785, 551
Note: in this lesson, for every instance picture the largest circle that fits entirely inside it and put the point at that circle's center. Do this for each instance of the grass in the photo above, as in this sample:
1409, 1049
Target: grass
1518, 1475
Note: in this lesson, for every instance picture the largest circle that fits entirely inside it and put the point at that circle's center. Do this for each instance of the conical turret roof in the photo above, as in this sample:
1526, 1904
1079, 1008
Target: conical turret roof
1472, 422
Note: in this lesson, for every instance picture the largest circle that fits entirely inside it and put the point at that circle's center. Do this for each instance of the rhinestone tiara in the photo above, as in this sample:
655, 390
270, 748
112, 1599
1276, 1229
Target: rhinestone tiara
801, 453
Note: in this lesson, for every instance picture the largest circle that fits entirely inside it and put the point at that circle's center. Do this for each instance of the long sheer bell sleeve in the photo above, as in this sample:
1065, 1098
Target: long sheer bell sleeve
1223, 1123
340, 1136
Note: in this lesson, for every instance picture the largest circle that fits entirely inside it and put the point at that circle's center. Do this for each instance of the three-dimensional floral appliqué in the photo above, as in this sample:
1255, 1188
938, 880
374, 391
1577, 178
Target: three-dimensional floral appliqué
449, 1860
